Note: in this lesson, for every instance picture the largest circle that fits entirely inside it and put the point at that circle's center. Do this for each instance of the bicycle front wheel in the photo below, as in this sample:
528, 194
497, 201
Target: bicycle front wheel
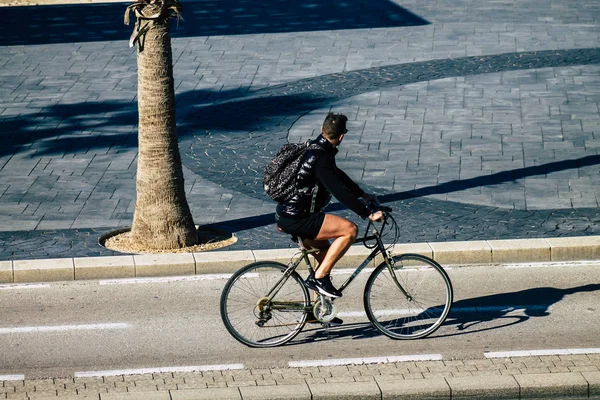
256, 318
411, 299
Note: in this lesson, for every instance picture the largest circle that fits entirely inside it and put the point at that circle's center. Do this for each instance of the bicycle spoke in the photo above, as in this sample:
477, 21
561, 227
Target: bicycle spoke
421, 311
256, 320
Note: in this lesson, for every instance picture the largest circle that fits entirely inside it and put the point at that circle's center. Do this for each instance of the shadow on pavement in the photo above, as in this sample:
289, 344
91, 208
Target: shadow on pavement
467, 314
250, 114
256, 221
103, 124
98, 22
535, 302
494, 179
71, 128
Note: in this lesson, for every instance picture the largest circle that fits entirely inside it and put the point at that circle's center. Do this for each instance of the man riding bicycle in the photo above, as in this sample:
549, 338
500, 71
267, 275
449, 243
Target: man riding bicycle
318, 179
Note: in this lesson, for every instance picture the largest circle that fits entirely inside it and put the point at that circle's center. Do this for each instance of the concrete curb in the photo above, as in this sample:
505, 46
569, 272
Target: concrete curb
539, 386
147, 265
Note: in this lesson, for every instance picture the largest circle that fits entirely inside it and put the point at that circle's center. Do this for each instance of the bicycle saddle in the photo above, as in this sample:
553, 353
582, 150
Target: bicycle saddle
294, 237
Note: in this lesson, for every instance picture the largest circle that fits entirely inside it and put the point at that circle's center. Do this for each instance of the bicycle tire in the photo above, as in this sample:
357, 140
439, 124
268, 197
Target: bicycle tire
399, 317
241, 304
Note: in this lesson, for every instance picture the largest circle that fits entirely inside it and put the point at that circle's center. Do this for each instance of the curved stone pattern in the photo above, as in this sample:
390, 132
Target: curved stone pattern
227, 144
513, 139
240, 135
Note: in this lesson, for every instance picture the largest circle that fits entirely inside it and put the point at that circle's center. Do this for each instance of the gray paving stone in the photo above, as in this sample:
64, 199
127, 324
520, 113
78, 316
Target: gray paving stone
261, 61
492, 387
346, 390
208, 394
287, 392
426, 389
571, 384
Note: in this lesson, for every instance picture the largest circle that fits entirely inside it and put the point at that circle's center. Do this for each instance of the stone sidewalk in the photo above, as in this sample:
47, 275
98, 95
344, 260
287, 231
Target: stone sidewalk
473, 122
543, 377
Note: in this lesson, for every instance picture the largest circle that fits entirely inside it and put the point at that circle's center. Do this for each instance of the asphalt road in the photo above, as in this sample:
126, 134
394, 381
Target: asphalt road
65, 329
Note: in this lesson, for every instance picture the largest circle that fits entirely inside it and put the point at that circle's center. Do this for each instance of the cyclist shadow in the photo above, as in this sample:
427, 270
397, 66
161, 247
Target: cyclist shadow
470, 316
517, 307
360, 330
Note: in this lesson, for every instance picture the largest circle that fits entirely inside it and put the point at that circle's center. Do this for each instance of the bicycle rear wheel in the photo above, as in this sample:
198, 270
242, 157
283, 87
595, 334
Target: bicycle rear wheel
414, 311
252, 318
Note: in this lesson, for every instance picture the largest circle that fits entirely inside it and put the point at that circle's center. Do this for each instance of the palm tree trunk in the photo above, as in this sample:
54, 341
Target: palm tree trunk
162, 218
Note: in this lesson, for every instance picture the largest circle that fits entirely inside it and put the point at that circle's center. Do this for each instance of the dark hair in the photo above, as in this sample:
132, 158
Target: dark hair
334, 125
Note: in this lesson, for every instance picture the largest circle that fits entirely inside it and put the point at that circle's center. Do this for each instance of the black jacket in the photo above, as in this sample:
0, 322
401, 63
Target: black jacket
318, 167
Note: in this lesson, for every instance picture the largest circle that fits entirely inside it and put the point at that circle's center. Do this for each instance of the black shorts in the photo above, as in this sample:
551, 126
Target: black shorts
305, 227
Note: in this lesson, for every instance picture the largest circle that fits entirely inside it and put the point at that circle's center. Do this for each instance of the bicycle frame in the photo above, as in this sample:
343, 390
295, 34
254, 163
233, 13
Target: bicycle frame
290, 269
379, 248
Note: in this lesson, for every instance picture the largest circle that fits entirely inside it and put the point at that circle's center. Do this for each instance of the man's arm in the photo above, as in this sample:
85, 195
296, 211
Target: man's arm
358, 192
367, 197
341, 186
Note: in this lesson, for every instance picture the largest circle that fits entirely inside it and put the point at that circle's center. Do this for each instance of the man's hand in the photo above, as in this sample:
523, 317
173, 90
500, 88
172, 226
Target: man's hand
370, 198
376, 216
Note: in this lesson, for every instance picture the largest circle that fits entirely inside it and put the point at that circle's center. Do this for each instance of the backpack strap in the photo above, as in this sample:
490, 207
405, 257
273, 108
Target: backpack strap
313, 201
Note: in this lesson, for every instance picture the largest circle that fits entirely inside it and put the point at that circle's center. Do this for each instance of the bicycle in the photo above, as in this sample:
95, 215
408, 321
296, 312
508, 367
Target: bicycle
266, 303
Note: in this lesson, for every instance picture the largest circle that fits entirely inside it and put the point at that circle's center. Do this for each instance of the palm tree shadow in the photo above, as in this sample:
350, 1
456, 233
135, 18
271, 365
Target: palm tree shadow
94, 125
104, 22
466, 315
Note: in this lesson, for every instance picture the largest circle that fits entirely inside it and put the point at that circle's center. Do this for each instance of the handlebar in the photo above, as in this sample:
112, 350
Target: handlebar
374, 207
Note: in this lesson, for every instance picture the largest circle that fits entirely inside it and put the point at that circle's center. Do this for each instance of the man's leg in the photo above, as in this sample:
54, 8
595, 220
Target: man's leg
322, 245
344, 232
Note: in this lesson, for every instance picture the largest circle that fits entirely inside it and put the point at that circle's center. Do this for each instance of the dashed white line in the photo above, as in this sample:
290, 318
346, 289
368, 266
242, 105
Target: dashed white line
139, 371
549, 264
166, 279
503, 308
364, 360
12, 378
24, 286
63, 328
543, 352
457, 310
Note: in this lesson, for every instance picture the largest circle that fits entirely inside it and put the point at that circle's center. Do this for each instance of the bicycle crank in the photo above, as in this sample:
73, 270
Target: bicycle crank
324, 309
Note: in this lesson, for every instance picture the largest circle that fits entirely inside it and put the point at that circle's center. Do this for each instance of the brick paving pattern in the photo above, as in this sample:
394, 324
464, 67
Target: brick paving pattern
536, 366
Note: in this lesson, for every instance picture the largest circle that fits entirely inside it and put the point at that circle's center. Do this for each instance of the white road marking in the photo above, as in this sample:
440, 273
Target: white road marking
24, 286
12, 378
63, 328
166, 279
549, 264
544, 352
505, 308
364, 360
381, 313
350, 271
352, 314
456, 310
367, 271
139, 371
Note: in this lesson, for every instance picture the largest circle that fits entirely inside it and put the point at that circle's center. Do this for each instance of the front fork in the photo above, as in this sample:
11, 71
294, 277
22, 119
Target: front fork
391, 264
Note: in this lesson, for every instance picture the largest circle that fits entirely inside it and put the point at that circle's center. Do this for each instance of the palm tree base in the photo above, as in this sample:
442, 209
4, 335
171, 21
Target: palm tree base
208, 239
